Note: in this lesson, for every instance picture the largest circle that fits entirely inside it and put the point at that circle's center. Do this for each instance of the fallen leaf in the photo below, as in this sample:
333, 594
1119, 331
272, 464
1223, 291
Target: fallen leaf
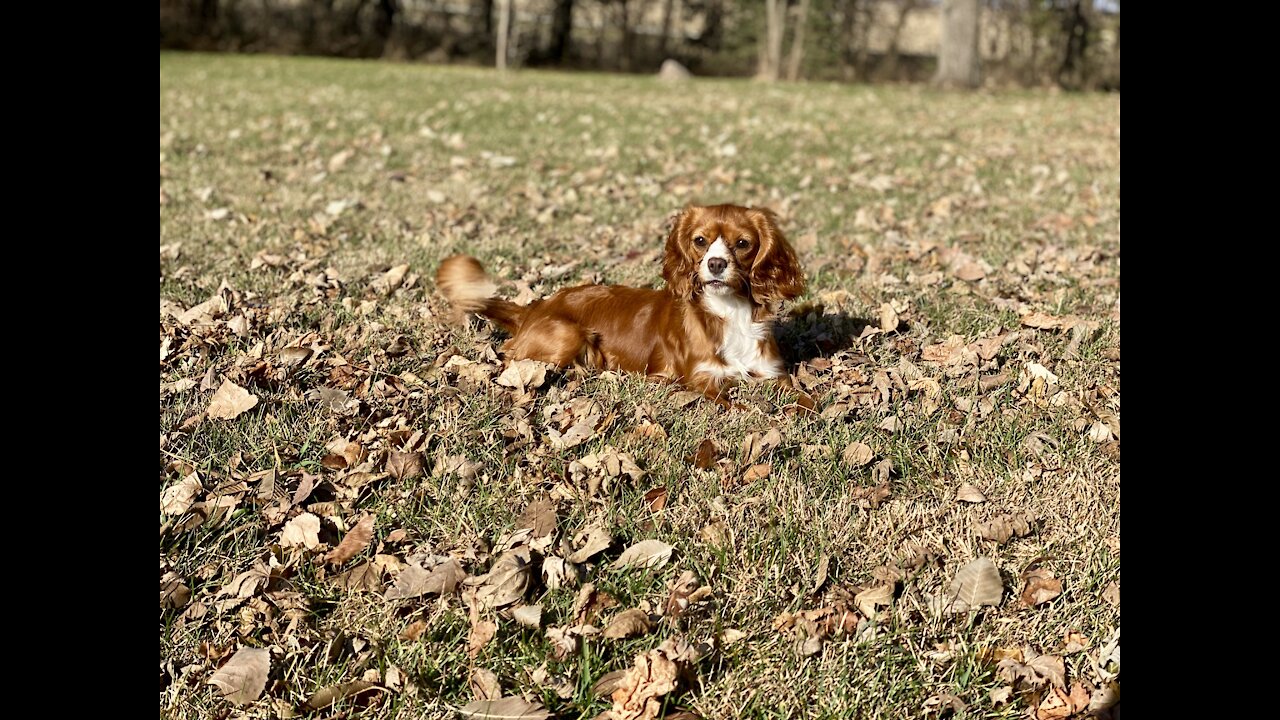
414, 581
524, 375
1111, 594
354, 543
857, 454
590, 542
970, 494
404, 465
868, 600
656, 499
538, 516
607, 683
507, 580
638, 695
646, 553
1001, 529
507, 708
888, 318
230, 401
820, 578
1041, 587
485, 685
363, 577
414, 630
757, 472
589, 602
704, 458
244, 677
557, 573
629, 623
324, 697
685, 591
391, 280
1036, 671
482, 631
173, 592
755, 445
302, 531
178, 497
975, 585
528, 615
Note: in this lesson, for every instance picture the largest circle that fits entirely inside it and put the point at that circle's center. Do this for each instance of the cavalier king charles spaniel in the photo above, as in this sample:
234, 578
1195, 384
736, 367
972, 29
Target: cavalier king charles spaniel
728, 268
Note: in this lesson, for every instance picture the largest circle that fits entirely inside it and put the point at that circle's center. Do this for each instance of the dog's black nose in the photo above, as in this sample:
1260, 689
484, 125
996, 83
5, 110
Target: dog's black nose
717, 265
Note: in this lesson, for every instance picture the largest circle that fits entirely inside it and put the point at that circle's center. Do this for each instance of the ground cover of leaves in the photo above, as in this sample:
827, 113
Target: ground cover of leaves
365, 513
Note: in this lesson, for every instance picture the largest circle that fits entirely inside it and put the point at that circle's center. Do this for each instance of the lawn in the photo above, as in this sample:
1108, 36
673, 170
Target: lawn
364, 514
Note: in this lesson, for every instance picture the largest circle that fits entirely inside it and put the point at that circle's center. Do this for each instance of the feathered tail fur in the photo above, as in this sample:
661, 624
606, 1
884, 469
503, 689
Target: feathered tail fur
468, 289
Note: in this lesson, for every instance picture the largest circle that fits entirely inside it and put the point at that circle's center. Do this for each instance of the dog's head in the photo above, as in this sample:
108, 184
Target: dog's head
725, 249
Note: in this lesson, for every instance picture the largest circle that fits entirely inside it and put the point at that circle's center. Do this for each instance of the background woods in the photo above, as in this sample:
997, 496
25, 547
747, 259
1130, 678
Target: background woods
1074, 44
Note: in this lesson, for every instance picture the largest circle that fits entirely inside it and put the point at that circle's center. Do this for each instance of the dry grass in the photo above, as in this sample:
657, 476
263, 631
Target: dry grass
297, 183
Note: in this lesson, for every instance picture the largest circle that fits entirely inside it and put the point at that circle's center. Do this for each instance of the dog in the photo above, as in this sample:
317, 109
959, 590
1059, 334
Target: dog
727, 268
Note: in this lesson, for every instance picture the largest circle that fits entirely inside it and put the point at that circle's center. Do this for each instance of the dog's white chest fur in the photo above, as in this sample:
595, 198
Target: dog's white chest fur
739, 351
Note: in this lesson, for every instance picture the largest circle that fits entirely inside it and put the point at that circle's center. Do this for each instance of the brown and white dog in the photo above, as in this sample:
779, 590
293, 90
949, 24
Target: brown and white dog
727, 268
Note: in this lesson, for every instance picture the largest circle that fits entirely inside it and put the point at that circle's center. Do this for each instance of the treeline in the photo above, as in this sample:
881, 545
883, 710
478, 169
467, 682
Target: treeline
1071, 43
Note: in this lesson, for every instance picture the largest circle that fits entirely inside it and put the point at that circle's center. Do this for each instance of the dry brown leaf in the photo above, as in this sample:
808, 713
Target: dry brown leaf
888, 318
354, 543
523, 375
685, 591
178, 497
1036, 671
975, 585
629, 623
324, 697
868, 600
557, 573
391, 280
589, 602
173, 592
593, 540
414, 581
1111, 594
1059, 705
404, 465
704, 458
482, 631
244, 677
230, 401
485, 685
507, 580
1001, 529
363, 577
757, 472
870, 497
528, 615
607, 683
1041, 587
539, 517
414, 630
302, 531
820, 577
656, 499
857, 454
646, 553
970, 493
639, 693
507, 708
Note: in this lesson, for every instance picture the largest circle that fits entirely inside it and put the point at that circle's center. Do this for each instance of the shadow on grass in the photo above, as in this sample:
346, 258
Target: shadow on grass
805, 336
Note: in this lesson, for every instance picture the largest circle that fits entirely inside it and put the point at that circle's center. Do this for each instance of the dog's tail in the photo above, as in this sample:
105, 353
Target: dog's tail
468, 289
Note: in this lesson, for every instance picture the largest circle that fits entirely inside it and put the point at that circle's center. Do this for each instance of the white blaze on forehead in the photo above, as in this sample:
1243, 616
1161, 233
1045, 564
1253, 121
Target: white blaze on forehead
718, 249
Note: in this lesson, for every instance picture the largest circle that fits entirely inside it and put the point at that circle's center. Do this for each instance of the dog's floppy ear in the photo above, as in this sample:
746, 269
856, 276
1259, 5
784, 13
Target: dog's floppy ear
775, 273
678, 267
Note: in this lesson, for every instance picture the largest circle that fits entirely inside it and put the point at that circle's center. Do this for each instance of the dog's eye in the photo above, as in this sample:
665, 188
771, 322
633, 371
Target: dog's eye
699, 241
743, 244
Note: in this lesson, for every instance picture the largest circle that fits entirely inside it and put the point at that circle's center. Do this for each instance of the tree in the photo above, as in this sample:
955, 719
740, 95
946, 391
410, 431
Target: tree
504, 30
775, 26
797, 42
958, 60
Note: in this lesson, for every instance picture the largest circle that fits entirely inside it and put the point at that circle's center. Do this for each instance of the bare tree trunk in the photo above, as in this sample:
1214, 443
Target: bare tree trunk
1075, 27
797, 42
891, 58
561, 31
504, 29
668, 9
775, 17
958, 56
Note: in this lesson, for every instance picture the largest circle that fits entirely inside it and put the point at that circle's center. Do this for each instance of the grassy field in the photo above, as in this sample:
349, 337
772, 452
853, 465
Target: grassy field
961, 335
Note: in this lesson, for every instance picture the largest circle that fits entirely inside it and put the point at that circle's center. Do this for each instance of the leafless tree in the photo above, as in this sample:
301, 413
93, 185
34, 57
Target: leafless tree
958, 59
